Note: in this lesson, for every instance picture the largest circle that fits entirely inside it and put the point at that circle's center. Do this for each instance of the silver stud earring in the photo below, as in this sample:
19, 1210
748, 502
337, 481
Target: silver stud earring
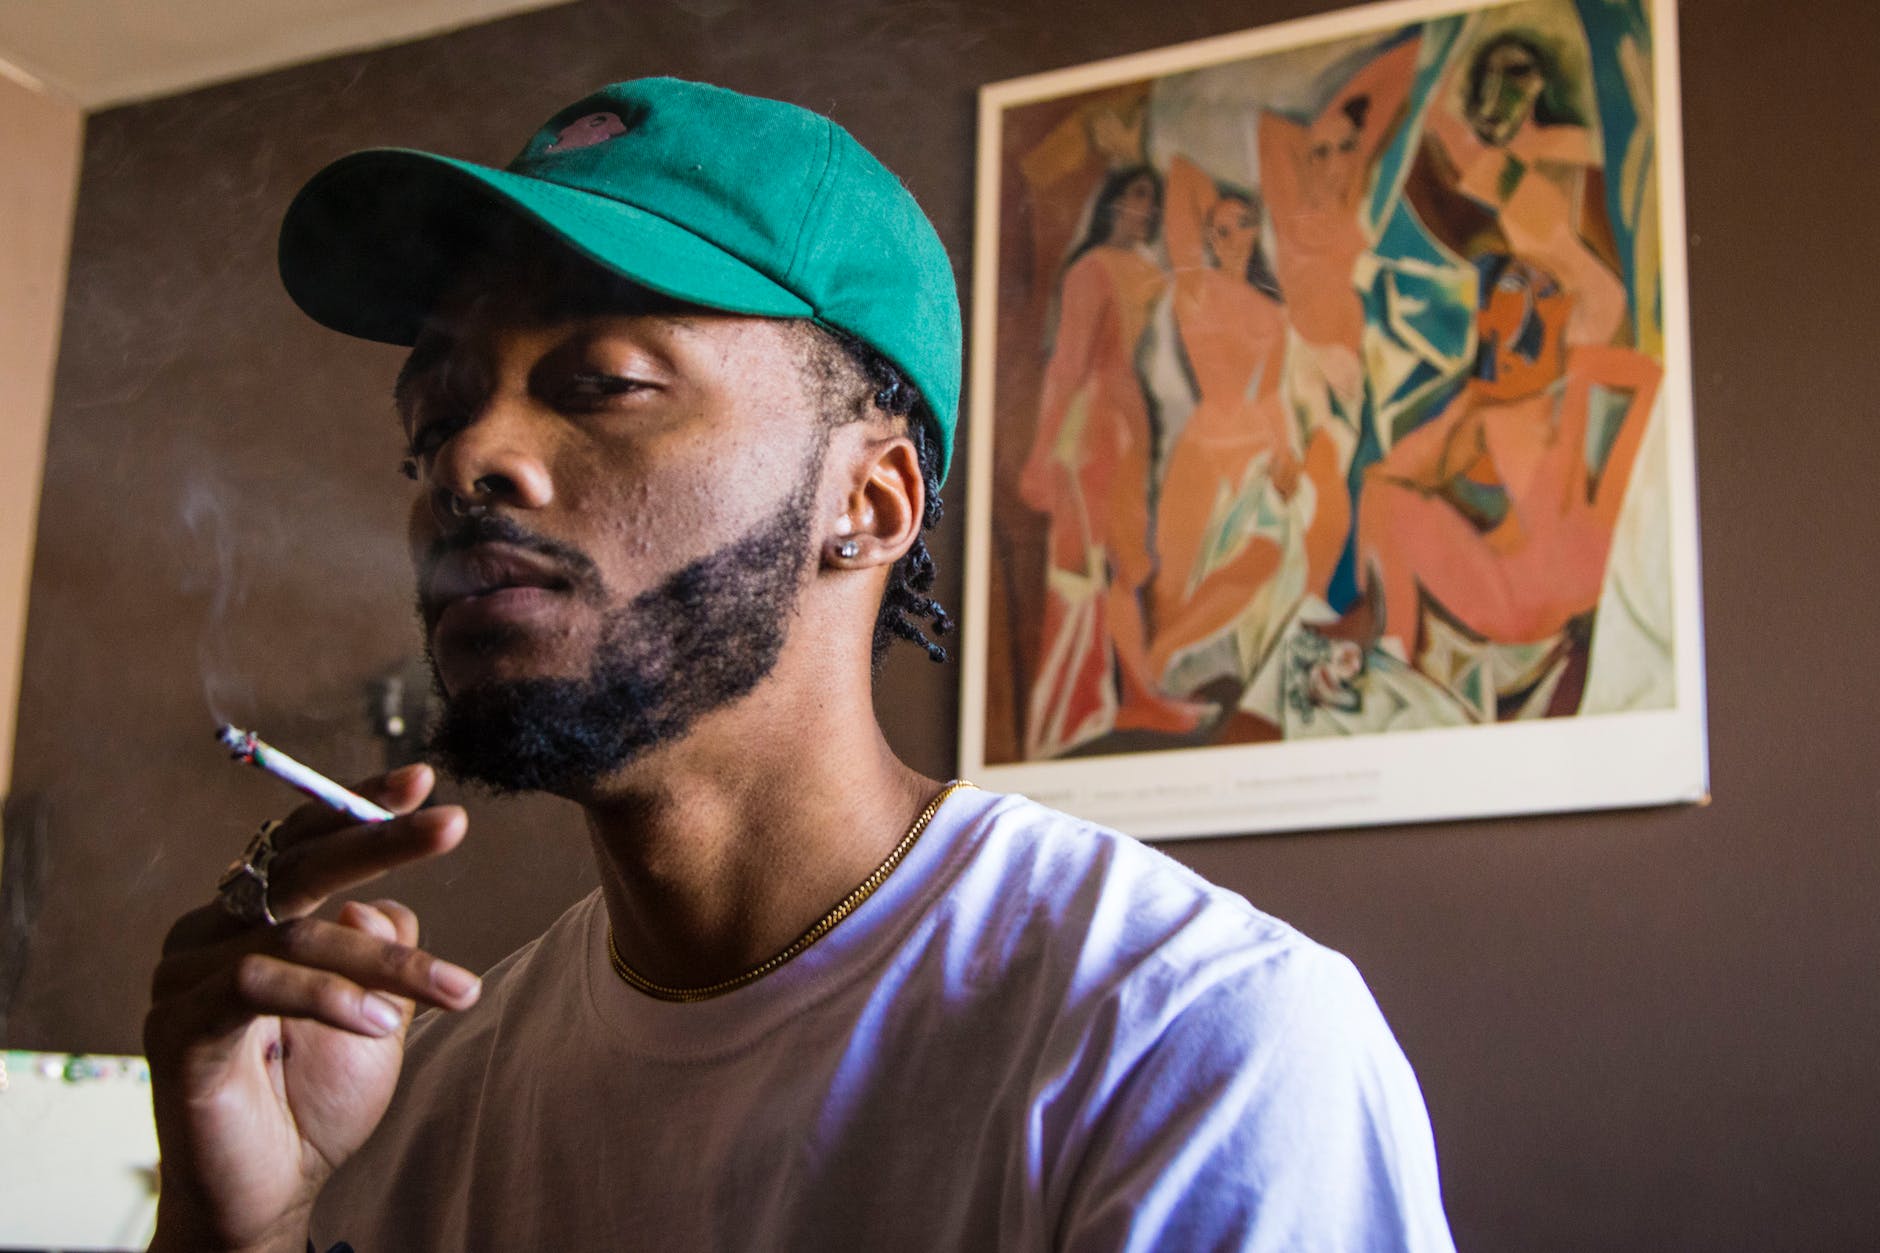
848, 549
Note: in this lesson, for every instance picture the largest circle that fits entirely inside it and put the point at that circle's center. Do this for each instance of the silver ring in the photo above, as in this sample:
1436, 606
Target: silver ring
484, 487
243, 887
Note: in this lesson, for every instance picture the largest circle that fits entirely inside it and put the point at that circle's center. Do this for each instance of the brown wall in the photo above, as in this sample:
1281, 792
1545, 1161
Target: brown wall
1644, 1031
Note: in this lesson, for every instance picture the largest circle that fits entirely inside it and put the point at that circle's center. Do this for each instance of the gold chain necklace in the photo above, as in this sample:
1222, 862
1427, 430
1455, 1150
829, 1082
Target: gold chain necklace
822, 926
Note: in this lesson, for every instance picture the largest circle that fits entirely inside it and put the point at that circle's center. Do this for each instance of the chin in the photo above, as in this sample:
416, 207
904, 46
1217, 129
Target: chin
557, 735
464, 665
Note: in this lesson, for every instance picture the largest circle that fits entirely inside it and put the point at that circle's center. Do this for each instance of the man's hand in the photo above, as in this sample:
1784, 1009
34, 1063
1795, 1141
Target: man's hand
274, 1050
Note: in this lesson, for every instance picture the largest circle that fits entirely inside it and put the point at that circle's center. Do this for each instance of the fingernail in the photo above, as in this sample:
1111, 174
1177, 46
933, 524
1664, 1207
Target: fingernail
452, 981
429, 822
376, 921
382, 1013
404, 775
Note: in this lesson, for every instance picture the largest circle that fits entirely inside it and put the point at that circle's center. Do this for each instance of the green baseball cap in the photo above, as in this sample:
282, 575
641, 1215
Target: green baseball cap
715, 198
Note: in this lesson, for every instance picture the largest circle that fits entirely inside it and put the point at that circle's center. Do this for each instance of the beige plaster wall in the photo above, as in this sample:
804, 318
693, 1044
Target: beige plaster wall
41, 138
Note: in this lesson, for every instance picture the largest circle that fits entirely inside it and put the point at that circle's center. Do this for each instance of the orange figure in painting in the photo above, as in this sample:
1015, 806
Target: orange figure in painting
1315, 176
1232, 333
1065, 168
1495, 510
1089, 471
1519, 151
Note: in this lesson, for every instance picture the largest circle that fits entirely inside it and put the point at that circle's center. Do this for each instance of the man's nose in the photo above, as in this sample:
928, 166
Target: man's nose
497, 459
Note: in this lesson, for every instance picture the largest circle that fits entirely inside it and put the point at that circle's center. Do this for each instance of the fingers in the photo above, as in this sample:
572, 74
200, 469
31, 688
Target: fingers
401, 791
268, 985
199, 926
386, 919
319, 851
360, 974
306, 874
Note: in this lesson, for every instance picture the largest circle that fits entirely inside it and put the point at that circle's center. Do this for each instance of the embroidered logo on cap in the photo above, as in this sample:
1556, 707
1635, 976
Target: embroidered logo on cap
586, 132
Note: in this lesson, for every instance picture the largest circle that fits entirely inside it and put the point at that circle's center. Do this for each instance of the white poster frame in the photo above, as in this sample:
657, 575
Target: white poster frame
1579, 762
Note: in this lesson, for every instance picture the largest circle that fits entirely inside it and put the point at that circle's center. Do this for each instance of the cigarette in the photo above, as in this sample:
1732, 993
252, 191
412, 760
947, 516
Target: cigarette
247, 746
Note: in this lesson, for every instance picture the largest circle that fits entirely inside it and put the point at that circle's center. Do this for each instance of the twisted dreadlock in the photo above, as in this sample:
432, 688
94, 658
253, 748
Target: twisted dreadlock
868, 382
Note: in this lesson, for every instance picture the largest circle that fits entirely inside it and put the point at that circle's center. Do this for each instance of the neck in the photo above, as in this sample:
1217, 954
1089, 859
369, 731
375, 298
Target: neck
716, 852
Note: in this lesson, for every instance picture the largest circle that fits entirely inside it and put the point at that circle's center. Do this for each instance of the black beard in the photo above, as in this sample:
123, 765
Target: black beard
702, 639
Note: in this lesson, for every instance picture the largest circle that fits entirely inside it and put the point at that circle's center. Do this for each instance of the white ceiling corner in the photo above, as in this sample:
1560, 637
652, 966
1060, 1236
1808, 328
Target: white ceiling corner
100, 53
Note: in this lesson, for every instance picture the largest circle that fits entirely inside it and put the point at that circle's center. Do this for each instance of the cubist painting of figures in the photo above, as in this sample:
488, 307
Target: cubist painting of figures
1330, 433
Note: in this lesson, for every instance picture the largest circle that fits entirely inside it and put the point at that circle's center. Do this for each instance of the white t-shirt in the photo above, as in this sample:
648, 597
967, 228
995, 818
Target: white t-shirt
1037, 1034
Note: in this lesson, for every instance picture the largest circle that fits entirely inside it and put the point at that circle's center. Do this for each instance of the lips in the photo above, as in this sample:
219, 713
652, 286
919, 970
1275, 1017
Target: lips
490, 575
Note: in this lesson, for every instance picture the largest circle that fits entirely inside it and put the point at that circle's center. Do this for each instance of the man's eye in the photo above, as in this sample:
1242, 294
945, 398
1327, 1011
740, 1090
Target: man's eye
587, 387
428, 438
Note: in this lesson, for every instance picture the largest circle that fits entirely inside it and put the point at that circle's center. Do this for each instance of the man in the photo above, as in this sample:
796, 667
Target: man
683, 385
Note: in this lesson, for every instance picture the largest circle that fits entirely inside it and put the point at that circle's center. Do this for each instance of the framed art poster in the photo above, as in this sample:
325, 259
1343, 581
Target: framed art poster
1331, 439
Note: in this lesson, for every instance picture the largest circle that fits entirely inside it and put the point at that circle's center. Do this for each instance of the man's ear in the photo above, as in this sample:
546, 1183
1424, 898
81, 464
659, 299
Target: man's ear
882, 509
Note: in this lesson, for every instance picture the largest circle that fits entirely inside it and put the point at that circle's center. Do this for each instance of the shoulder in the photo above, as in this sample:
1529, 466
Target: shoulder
1062, 863
1065, 899
1217, 1072
1091, 275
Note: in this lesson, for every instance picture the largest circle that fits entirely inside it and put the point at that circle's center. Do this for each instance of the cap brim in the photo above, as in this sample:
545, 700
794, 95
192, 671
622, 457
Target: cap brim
373, 240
